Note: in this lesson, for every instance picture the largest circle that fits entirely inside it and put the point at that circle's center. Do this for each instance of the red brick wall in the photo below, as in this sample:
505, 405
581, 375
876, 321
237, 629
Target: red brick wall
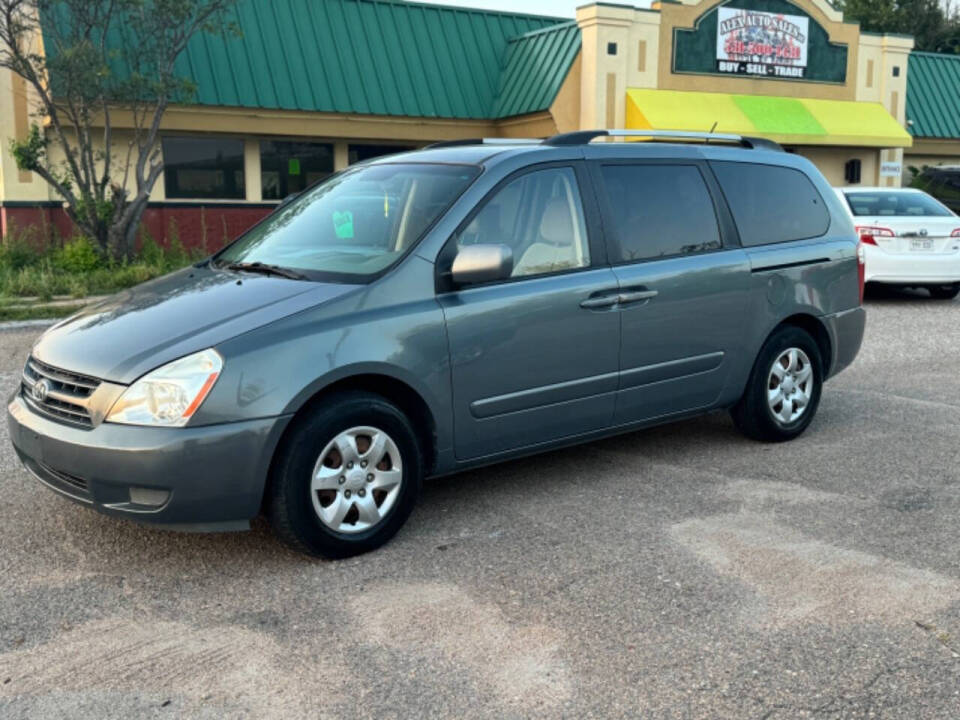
198, 226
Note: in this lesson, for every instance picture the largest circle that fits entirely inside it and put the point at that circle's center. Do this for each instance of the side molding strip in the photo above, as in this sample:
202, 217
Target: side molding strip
670, 370
784, 266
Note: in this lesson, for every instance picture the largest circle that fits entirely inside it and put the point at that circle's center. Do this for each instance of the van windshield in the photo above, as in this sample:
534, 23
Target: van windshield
357, 223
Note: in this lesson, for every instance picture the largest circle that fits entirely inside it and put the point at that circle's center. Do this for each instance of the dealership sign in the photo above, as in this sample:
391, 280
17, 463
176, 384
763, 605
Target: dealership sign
751, 42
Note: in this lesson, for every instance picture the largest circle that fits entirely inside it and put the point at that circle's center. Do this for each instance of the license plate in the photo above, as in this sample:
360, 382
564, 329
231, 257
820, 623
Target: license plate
921, 244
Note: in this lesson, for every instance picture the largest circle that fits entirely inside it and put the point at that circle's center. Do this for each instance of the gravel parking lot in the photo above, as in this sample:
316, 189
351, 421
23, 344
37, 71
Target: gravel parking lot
681, 572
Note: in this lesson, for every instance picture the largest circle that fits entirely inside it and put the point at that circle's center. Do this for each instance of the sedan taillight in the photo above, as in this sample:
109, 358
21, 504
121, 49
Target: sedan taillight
955, 233
861, 268
868, 233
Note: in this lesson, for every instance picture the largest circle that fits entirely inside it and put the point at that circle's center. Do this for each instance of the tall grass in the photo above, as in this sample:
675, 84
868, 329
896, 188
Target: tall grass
76, 268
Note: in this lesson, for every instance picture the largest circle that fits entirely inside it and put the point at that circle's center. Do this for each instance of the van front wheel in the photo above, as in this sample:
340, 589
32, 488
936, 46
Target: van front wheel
347, 476
783, 391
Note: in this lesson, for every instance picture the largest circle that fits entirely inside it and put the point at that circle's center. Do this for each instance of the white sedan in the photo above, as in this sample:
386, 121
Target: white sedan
909, 238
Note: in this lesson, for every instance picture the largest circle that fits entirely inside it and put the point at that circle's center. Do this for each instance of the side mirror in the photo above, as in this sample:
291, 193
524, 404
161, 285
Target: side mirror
481, 263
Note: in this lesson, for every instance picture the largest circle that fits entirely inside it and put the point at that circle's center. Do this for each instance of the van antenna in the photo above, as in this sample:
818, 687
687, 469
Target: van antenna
712, 128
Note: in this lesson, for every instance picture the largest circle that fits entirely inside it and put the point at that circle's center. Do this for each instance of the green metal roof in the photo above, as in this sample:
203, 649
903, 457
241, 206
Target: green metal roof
933, 95
378, 57
536, 65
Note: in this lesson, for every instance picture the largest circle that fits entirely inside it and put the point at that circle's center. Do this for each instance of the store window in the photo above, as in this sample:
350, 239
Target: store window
359, 153
203, 168
287, 167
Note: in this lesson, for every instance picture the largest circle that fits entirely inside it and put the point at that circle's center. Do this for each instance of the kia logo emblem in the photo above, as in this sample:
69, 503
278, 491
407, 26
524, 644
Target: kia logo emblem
40, 390
923, 232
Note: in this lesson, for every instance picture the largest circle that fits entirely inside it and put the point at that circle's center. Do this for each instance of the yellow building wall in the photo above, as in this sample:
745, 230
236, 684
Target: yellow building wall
565, 110
16, 101
831, 161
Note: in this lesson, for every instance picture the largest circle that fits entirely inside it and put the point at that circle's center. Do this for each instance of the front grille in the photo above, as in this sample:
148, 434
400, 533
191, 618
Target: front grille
66, 393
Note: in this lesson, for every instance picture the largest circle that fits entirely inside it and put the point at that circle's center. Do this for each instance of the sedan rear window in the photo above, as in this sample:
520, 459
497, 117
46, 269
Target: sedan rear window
895, 204
355, 224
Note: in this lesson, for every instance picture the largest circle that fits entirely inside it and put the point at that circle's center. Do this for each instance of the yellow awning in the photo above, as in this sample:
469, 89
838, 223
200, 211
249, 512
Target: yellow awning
789, 121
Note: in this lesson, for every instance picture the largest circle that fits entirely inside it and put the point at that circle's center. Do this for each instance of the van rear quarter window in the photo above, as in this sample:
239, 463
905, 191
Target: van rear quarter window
771, 204
659, 211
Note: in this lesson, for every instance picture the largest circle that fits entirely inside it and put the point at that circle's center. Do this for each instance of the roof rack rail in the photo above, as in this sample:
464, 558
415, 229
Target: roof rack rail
481, 141
583, 137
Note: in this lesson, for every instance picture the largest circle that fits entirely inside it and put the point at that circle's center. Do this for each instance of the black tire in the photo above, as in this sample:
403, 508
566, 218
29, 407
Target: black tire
292, 513
752, 414
944, 292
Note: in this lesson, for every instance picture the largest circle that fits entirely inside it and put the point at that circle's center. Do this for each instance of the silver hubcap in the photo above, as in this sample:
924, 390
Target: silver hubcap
790, 386
356, 479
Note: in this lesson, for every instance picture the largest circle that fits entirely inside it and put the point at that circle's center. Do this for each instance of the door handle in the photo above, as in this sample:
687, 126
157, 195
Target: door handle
600, 301
636, 296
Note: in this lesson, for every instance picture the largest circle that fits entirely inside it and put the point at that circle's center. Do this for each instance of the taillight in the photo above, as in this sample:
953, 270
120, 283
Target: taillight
869, 234
955, 233
861, 268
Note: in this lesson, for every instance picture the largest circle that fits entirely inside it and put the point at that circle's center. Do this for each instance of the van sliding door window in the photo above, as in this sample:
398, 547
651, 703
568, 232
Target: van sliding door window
659, 211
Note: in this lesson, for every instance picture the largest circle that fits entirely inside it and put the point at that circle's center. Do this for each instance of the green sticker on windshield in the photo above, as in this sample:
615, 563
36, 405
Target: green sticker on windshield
343, 224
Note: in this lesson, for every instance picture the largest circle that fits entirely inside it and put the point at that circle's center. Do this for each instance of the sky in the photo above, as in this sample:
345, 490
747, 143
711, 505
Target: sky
559, 8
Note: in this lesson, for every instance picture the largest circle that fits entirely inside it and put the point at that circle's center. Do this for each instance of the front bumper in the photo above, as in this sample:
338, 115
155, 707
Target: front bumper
194, 478
907, 268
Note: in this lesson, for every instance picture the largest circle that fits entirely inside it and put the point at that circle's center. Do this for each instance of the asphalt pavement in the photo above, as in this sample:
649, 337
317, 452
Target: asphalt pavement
680, 572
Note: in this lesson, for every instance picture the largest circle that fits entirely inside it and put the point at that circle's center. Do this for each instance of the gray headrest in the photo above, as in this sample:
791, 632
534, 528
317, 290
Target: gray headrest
556, 226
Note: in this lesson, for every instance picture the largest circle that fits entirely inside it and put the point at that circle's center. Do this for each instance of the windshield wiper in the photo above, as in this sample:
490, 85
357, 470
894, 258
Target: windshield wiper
265, 269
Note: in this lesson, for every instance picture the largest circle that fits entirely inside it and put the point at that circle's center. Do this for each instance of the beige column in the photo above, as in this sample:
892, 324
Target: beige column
605, 52
892, 80
251, 170
341, 155
16, 102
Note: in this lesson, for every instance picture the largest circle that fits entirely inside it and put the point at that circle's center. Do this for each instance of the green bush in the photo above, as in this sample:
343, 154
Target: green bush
176, 256
78, 269
19, 249
150, 251
172, 257
40, 280
78, 256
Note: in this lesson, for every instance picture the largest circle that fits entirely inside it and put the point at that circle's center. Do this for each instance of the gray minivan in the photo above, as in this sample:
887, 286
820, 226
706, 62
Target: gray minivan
446, 308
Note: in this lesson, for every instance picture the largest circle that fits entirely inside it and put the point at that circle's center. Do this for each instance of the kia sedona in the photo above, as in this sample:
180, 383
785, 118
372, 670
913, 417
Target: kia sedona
443, 309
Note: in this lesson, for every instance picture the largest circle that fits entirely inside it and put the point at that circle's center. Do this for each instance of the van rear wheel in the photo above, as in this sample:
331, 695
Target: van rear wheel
347, 476
783, 391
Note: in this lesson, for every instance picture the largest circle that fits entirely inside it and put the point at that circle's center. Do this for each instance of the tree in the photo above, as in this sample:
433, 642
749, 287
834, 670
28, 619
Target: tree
101, 59
934, 25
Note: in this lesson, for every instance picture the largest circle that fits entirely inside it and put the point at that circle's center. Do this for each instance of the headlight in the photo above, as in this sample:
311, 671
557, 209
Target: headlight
170, 394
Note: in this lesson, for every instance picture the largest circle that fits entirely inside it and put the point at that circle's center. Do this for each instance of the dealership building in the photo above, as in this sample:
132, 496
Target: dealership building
312, 87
